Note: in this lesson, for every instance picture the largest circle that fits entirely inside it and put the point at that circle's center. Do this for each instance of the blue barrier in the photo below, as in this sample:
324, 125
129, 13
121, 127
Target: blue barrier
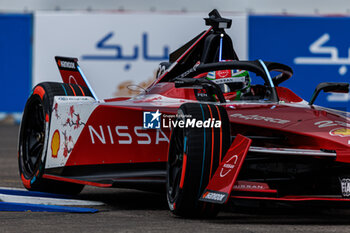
15, 61
6, 206
317, 48
13, 199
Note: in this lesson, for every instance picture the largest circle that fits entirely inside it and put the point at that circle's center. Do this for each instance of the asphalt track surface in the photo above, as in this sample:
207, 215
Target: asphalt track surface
136, 211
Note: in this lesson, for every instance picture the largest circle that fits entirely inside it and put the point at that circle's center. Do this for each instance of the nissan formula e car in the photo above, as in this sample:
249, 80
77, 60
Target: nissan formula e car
185, 134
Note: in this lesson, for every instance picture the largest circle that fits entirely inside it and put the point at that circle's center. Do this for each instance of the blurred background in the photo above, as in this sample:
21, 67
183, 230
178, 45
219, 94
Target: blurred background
120, 43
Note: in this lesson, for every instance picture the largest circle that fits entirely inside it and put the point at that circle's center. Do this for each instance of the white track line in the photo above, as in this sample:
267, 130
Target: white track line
19, 189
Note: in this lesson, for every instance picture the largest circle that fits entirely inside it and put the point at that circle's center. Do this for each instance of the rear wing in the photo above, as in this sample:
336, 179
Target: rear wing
71, 72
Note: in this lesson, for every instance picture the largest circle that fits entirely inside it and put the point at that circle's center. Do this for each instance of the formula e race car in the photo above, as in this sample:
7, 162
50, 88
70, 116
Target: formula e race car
209, 129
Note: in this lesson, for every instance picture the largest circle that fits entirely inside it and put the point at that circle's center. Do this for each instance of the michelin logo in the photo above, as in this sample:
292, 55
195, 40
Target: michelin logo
151, 120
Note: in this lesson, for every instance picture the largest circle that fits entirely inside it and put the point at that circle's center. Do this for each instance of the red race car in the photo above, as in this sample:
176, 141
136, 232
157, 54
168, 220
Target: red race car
209, 129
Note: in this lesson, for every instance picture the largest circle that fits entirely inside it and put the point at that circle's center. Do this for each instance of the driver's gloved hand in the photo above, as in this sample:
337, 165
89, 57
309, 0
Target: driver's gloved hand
258, 90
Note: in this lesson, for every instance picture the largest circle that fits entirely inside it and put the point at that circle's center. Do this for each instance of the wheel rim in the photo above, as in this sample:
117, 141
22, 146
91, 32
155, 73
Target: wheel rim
175, 163
33, 135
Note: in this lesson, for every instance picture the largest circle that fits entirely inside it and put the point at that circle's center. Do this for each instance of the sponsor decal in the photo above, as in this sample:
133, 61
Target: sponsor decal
321, 52
201, 92
72, 80
66, 64
319, 47
250, 186
260, 118
229, 80
324, 124
223, 73
345, 187
55, 143
213, 196
151, 120
122, 134
342, 132
140, 51
227, 167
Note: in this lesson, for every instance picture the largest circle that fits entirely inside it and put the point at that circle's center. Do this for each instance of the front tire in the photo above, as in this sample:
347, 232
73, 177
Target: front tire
33, 137
194, 155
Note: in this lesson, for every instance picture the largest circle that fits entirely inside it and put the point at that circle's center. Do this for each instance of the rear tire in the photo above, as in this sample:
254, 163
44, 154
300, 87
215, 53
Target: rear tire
194, 155
33, 138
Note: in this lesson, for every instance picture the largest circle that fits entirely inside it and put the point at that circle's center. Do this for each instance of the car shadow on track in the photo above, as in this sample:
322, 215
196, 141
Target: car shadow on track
283, 215
124, 199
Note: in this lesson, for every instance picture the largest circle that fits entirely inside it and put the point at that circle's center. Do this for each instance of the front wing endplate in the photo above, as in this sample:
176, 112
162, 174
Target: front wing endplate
221, 184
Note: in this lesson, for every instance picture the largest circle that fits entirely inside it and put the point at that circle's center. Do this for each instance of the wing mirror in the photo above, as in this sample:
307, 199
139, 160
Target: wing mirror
329, 87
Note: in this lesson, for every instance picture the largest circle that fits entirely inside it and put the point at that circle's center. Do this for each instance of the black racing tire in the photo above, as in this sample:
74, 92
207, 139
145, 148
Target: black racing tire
33, 137
194, 155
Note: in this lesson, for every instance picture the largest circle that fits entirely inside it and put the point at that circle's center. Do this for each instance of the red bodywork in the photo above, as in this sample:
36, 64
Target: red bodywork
113, 149
307, 128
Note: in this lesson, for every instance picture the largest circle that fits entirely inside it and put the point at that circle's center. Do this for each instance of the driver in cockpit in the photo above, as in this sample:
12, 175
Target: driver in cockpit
236, 84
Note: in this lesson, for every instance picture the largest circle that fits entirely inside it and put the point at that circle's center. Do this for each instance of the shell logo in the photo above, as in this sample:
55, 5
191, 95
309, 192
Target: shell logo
342, 132
55, 143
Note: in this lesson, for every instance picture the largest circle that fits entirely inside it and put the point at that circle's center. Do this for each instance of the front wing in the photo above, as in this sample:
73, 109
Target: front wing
224, 185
